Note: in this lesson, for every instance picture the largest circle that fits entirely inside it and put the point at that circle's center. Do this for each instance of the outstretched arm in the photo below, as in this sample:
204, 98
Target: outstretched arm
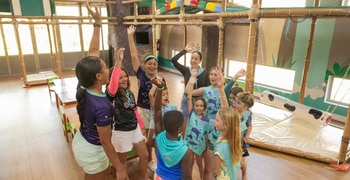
158, 126
94, 48
152, 92
189, 48
151, 96
232, 81
223, 99
133, 51
105, 132
114, 82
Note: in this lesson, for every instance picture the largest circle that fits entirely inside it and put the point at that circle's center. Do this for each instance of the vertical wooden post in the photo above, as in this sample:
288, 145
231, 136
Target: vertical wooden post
252, 46
20, 53
154, 30
345, 139
308, 57
307, 61
184, 42
58, 48
50, 44
221, 41
81, 38
5, 47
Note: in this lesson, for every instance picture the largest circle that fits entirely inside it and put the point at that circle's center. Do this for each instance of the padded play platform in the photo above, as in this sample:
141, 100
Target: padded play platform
40, 78
282, 131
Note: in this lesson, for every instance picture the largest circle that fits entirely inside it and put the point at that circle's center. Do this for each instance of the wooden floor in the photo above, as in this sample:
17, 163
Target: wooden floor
32, 145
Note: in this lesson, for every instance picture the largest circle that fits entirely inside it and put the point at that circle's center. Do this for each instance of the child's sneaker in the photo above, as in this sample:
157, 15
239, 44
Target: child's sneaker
152, 165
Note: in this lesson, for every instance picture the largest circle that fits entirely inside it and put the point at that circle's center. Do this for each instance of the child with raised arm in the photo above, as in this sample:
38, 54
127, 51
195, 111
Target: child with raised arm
198, 126
228, 150
166, 105
126, 133
144, 76
214, 97
92, 146
173, 156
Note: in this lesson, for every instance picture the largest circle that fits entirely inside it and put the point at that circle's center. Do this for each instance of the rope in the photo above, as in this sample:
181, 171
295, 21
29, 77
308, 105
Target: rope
254, 12
345, 139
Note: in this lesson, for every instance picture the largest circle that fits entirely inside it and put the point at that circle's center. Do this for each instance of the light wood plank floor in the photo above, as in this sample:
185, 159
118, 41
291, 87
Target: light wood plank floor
32, 145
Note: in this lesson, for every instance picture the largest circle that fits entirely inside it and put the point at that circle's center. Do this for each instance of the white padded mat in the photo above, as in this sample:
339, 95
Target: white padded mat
280, 130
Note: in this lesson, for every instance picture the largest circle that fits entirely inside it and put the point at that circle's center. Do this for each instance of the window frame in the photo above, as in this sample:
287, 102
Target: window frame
334, 86
231, 69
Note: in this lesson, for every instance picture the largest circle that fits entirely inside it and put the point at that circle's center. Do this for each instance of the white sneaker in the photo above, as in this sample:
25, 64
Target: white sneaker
152, 165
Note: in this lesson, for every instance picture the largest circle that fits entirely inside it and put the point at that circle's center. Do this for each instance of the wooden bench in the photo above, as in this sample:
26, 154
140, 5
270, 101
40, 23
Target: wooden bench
70, 120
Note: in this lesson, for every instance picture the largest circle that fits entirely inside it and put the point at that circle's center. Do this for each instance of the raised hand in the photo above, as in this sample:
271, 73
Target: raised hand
158, 82
194, 72
95, 14
239, 74
220, 75
120, 57
131, 30
190, 46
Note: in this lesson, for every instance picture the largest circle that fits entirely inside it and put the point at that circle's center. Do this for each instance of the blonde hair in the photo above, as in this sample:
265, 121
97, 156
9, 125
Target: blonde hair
232, 133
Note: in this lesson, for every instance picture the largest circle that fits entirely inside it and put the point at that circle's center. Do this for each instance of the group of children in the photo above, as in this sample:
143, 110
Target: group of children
214, 126
215, 122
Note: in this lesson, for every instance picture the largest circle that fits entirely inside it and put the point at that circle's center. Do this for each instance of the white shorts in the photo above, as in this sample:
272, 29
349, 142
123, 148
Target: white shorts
147, 117
123, 140
92, 158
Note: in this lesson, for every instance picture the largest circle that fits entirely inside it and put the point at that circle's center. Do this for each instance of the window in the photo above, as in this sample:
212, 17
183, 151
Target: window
338, 91
26, 38
10, 39
71, 42
265, 75
42, 38
69, 29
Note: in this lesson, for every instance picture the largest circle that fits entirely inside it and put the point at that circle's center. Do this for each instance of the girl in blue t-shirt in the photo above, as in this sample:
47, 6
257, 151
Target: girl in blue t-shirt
214, 95
228, 150
198, 126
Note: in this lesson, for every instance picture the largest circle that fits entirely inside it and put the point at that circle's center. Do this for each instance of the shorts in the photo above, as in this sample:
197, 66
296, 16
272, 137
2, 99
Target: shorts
245, 152
147, 117
123, 140
92, 158
184, 106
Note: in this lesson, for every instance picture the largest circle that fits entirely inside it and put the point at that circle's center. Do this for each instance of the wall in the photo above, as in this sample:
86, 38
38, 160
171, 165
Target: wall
283, 43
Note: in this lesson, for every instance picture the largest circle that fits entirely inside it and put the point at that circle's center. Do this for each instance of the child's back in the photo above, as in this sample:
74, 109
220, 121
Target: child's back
174, 157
